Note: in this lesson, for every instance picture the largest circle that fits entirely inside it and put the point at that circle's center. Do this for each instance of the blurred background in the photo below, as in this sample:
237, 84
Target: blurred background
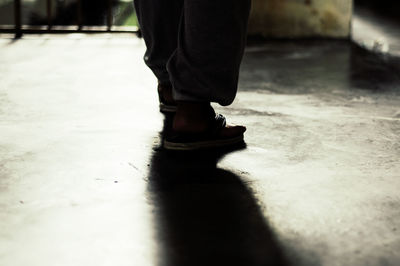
269, 18
68, 13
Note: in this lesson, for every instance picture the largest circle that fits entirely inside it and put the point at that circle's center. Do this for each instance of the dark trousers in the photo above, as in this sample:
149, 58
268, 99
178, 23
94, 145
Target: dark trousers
197, 45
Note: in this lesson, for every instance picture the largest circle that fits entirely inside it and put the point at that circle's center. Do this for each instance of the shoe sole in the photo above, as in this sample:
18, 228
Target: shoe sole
164, 108
202, 144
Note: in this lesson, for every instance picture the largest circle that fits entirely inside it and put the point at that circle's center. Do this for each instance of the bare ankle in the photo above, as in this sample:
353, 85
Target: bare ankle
193, 116
165, 93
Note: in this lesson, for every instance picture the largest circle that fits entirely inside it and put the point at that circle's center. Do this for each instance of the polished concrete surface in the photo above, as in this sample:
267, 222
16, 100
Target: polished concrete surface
83, 180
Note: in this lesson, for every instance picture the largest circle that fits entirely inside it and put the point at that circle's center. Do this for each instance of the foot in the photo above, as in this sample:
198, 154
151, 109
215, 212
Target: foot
196, 126
195, 118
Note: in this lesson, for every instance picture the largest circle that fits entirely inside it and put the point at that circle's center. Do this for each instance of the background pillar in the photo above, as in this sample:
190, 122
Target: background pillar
301, 18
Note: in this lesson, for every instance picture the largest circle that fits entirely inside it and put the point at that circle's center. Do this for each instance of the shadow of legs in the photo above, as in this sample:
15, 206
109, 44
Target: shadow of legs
205, 215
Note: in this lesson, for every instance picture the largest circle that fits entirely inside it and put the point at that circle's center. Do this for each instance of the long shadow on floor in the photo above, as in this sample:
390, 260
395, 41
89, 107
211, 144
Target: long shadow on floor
205, 215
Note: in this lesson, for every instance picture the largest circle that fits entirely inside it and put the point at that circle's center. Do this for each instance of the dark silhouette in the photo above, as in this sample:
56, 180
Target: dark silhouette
206, 215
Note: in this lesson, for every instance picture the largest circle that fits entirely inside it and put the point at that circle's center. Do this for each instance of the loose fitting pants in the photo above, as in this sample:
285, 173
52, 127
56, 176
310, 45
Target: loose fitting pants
197, 45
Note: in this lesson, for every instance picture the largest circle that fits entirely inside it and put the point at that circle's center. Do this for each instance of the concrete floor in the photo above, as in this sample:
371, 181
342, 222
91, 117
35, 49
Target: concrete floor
83, 181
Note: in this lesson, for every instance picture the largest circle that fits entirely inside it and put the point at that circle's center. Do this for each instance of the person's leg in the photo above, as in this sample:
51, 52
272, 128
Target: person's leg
205, 66
159, 23
212, 35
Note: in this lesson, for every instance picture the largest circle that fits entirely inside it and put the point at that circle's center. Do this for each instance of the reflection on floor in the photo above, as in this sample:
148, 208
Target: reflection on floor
83, 180
376, 32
